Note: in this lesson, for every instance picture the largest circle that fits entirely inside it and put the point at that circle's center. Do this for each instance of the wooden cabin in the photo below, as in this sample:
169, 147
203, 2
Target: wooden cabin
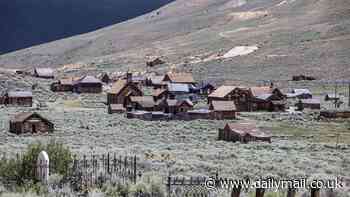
240, 95
30, 122
184, 105
223, 110
141, 103
18, 98
267, 98
46, 73
87, 84
63, 85
243, 132
122, 90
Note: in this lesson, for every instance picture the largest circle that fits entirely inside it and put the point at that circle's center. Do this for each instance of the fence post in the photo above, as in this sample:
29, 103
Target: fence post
168, 185
135, 169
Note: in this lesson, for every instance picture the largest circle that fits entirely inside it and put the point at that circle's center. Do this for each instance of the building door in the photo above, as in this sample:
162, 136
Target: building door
33, 128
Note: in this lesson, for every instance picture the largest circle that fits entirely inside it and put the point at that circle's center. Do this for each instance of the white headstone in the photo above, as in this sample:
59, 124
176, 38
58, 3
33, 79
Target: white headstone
43, 167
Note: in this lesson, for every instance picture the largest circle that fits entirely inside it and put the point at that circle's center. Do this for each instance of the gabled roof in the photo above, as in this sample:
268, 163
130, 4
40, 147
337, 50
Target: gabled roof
178, 87
118, 86
21, 117
88, 79
144, 101
180, 77
222, 91
244, 129
19, 94
223, 106
67, 81
186, 101
44, 72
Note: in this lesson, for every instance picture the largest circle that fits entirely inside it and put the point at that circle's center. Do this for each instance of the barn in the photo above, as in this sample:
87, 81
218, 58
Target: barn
223, 110
243, 132
30, 122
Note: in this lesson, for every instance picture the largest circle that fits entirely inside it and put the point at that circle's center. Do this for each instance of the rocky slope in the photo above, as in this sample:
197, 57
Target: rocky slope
291, 37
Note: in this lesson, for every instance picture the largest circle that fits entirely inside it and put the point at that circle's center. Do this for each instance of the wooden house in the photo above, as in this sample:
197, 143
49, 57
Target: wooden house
30, 122
243, 132
18, 98
142, 103
47, 73
174, 106
122, 90
313, 103
184, 78
223, 110
116, 108
87, 84
63, 85
267, 98
240, 95
184, 105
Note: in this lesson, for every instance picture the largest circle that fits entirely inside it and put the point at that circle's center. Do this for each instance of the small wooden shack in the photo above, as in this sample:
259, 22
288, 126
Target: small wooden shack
223, 110
30, 122
18, 98
87, 84
63, 85
242, 132
46, 73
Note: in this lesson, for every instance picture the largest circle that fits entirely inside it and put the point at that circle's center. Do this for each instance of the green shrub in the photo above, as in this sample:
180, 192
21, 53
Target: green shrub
22, 168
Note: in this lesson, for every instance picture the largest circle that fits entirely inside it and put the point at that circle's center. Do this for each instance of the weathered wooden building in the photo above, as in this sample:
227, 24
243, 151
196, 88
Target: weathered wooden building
243, 132
223, 110
240, 95
18, 98
156, 82
63, 85
44, 73
267, 98
142, 103
122, 90
87, 84
30, 122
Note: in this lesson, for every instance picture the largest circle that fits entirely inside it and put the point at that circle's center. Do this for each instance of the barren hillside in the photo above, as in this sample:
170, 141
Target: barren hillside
291, 37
